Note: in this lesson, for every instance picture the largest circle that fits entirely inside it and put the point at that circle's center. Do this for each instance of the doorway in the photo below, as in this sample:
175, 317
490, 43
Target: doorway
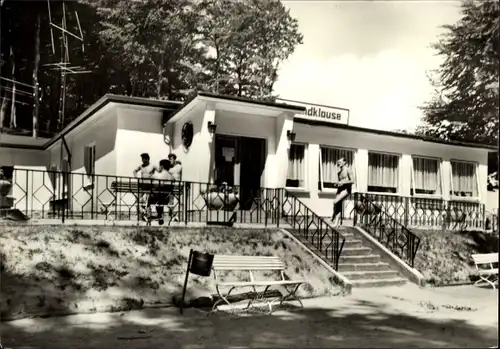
240, 161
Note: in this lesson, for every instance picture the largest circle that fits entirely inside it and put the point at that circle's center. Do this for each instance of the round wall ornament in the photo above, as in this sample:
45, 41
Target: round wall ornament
187, 134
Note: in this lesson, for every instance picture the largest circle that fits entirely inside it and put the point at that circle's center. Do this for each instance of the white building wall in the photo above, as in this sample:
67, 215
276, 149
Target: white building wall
363, 142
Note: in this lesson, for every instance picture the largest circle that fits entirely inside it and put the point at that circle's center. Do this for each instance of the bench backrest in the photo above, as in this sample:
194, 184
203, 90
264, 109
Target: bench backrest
226, 262
135, 186
485, 258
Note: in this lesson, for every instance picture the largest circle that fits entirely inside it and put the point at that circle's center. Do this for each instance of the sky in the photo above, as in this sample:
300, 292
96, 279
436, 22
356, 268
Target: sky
370, 57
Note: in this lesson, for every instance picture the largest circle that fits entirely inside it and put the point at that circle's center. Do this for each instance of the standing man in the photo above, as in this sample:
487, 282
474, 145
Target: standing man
146, 169
344, 187
176, 169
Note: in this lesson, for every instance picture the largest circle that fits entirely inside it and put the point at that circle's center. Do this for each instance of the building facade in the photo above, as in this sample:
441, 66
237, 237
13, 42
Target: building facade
249, 144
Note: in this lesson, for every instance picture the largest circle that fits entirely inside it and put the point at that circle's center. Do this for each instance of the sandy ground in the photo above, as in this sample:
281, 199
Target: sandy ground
396, 317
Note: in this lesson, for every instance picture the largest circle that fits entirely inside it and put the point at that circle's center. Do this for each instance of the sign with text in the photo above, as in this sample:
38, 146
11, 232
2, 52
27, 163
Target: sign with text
320, 112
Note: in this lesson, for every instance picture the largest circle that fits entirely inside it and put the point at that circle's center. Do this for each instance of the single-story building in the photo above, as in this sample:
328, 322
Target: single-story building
251, 144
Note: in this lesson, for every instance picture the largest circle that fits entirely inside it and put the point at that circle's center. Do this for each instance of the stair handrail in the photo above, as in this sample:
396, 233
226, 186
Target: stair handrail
387, 230
323, 228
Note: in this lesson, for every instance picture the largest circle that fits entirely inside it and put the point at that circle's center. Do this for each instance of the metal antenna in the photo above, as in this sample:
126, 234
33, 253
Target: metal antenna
64, 66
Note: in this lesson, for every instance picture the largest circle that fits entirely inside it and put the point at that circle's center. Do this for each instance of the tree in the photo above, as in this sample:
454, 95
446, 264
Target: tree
465, 105
149, 41
246, 41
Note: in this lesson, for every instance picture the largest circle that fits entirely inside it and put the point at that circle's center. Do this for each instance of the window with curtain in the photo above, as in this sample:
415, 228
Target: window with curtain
383, 172
464, 180
328, 165
296, 166
426, 176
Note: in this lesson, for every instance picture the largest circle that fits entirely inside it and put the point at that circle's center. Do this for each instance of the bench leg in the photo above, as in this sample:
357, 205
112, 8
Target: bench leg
291, 295
261, 296
222, 298
487, 280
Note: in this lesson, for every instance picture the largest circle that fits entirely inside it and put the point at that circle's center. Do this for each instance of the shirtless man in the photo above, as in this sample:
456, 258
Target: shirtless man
159, 200
146, 169
344, 187
176, 169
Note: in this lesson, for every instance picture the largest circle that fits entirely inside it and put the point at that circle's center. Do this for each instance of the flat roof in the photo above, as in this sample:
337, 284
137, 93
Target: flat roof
177, 106
396, 134
109, 98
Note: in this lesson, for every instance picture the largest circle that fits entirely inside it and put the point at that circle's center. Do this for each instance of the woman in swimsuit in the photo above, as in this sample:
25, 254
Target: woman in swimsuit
344, 187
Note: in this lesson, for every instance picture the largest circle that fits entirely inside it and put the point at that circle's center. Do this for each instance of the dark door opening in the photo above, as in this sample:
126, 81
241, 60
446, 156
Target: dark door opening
240, 161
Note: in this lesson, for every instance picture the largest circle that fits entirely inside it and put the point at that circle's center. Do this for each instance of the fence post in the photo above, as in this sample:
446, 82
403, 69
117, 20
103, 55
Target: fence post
186, 205
278, 208
407, 209
62, 189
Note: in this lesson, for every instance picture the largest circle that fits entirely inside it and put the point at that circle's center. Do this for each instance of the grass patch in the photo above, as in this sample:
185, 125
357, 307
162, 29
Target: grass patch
50, 269
445, 258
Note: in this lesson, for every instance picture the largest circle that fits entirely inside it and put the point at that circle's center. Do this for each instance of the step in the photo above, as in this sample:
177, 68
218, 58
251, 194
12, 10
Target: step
372, 258
371, 275
347, 267
378, 283
356, 251
348, 242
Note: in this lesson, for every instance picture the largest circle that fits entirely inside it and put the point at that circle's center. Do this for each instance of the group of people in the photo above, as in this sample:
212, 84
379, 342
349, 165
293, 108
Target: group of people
169, 169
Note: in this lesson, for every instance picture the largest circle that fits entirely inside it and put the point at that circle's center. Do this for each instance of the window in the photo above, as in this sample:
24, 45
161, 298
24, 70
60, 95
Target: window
328, 165
426, 176
463, 179
383, 173
89, 160
296, 166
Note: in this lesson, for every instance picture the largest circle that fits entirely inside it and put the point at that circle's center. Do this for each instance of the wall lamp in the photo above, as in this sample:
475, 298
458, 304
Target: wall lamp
290, 135
212, 127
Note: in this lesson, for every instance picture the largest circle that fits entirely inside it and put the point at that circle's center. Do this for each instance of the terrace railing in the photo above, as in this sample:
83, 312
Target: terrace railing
62, 195
315, 230
387, 230
430, 213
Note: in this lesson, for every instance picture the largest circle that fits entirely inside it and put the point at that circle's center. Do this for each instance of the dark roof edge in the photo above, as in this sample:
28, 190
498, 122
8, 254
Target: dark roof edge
395, 134
313, 104
252, 101
103, 101
21, 146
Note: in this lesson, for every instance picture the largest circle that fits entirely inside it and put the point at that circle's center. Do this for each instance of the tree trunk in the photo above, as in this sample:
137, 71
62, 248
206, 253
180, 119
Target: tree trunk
36, 107
159, 80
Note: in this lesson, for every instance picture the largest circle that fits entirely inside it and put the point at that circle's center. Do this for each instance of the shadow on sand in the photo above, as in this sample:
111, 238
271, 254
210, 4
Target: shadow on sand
358, 323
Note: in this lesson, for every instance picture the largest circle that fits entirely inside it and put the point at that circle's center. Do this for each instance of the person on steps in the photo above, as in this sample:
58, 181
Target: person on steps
344, 187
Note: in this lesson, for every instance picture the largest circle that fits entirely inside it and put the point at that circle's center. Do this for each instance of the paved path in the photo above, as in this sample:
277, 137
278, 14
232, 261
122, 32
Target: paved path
370, 318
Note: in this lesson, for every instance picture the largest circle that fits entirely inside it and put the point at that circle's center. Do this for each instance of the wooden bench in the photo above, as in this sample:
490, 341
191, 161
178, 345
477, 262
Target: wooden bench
252, 264
173, 192
488, 273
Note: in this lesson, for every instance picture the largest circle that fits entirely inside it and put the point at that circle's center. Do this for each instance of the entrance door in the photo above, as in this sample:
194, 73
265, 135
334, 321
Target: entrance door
225, 159
252, 156
240, 161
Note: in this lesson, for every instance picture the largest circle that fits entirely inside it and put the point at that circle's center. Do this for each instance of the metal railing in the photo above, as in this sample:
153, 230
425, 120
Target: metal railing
312, 228
429, 213
62, 195
387, 230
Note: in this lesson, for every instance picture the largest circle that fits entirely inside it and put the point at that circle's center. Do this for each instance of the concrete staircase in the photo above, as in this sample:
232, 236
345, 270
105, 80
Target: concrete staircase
362, 266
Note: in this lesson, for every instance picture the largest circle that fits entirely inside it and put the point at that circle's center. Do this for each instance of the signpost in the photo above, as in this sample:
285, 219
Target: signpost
317, 112
199, 264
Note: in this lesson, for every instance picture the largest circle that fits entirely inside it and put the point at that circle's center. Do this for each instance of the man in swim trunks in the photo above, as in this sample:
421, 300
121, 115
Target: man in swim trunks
146, 169
344, 187
159, 198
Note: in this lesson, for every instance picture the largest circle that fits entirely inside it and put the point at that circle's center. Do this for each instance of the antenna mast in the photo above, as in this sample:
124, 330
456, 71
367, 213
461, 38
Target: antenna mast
63, 66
